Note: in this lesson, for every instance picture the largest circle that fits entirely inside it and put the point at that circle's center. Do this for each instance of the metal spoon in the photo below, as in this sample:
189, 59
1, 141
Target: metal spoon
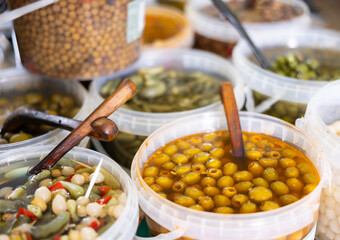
233, 119
228, 14
125, 91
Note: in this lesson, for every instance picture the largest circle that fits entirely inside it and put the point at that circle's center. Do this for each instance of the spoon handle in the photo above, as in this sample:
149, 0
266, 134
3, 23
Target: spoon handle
125, 91
228, 14
233, 120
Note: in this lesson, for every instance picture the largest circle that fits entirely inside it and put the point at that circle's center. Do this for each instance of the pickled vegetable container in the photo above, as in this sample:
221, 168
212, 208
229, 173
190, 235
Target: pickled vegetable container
294, 221
136, 125
21, 85
219, 36
322, 111
125, 226
277, 95
80, 39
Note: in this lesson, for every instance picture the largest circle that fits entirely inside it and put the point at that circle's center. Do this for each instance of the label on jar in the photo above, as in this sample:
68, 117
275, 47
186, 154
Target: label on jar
135, 20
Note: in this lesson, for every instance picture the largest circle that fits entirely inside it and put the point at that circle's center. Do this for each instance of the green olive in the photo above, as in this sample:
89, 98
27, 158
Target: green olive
260, 194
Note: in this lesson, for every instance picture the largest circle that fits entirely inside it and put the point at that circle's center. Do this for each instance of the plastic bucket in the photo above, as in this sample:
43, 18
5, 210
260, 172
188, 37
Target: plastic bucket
219, 36
125, 226
277, 95
22, 84
289, 222
137, 125
322, 110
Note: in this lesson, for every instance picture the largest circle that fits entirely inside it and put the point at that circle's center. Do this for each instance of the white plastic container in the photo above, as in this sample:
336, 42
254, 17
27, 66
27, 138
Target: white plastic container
166, 18
23, 83
214, 31
141, 123
322, 110
283, 92
126, 225
288, 222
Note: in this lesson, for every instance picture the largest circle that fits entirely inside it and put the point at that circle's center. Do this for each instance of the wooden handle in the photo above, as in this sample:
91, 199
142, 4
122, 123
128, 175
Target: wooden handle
233, 120
125, 91
104, 130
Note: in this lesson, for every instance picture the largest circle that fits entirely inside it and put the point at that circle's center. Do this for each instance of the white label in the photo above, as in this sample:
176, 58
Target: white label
135, 20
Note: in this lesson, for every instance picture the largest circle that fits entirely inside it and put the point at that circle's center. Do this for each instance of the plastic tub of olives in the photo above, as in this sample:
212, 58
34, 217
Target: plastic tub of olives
125, 224
136, 125
294, 221
322, 111
281, 96
31, 90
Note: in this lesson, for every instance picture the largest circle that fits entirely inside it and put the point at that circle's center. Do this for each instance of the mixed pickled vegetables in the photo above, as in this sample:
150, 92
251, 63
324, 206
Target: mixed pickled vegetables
53, 204
300, 67
160, 90
199, 172
57, 104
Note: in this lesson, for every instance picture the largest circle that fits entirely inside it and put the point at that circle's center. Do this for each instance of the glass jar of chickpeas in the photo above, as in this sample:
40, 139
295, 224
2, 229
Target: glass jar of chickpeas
188, 179
80, 39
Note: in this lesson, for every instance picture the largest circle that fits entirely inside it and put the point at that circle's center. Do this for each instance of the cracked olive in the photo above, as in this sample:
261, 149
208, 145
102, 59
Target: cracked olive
270, 174
211, 191
215, 173
241, 176
243, 187
194, 193
229, 169
248, 207
279, 188
229, 191
191, 178
260, 182
260, 194
208, 182
269, 205
225, 210
221, 201
183, 200
238, 199
164, 182
207, 203
225, 181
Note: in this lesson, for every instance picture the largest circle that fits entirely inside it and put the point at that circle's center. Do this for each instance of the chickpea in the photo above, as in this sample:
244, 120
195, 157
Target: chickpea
269, 205
229, 191
238, 199
164, 182
179, 158
260, 194
208, 182
213, 163
55, 173
229, 169
214, 173
191, 178
224, 210
241, 176
183, 200
248, 207
194, 193
202, 157
291, 172
221, 201
81, 211
161, 159
255, 168
225, 181
151, 171
211, 191
170, 150
243, 187
279, 188
207, 203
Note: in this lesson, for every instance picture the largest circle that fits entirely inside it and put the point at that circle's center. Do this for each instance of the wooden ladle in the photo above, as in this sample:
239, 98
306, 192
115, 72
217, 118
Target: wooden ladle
233, 120
124, 92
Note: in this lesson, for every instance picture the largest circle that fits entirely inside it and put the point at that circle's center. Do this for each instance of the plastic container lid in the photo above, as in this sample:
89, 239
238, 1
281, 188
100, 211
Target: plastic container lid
21, 84
125, 226
141, 123
277, 86
322, 110
204, 225
217, 29
184, 38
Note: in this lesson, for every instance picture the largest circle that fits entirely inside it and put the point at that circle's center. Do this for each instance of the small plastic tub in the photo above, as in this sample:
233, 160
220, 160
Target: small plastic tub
220, 37
323, 110
135, 126
25, 83
126, 225
166, 27
277, 95
288, 222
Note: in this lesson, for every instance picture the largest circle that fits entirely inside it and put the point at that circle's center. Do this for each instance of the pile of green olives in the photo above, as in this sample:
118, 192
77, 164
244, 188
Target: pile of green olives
199, 172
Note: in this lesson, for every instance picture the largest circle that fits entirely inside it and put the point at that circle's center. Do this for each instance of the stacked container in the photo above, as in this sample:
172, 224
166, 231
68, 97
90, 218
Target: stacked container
323, 110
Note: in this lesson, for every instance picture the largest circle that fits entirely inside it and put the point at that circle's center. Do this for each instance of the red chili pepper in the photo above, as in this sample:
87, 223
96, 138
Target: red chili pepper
69, 178
56, 186
25, 212
28, 236
94, 225
104, 190
57, 238
104, 200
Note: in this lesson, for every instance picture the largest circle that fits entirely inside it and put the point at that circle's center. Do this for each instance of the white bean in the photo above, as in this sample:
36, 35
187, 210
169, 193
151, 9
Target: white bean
333, 225
94, 209
99, 179
59, 204
330, 214
329, 234
4, 237
330, 202
78, 179
122, 198
5, 190
118, 210
88, 233
67, 171
44, 193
